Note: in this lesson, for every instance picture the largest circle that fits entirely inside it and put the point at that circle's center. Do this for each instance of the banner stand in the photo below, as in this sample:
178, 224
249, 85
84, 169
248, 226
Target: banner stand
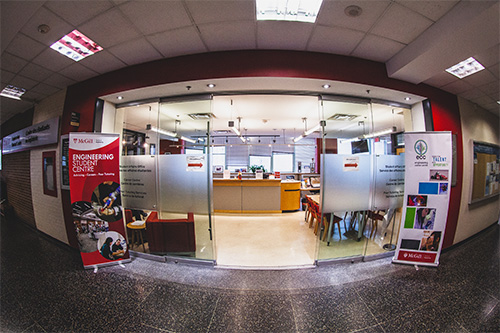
428, 162
98, 216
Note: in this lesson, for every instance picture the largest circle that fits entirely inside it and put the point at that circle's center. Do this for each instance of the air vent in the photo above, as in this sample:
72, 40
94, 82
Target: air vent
343, 117
221, 132
201, 116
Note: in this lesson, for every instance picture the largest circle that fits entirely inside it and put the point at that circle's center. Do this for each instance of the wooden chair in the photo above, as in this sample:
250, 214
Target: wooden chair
374, 217
326, 224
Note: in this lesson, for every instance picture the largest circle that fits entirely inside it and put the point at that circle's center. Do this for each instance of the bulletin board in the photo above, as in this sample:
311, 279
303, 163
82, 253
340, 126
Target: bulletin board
486, 171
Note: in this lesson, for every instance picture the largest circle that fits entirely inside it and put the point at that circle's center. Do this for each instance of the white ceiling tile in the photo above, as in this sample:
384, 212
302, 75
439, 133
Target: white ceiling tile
35, 72
108, 29
102, 62
11, 107
156, 16
480, 78
334, 40
377, 48
25, 47
229, 35
457, 87
332, 14
483, 100
135, 52
432, 9
495, 70
23, 82
491, 89
78, 72
401, 24
14, 14
489, 57
59, 81
275, 35
45, 89
58, 27
34, 96
77, 12
178, 42
7, 76
53, 60
204, 11
12, 63
473, 93
441, 79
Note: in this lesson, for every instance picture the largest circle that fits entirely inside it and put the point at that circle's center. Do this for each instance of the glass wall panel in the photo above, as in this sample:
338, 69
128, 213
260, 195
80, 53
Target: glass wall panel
346, 171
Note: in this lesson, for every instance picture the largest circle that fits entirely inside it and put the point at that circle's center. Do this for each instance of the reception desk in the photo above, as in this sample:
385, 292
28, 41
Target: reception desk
247, 195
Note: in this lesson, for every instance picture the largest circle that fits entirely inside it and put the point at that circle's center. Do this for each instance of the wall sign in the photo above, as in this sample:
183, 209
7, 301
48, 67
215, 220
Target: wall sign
428, 159
486, 171
41, 134
96, 198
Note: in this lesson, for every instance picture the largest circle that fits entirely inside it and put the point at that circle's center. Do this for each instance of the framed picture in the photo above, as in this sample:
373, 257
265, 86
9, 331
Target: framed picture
49, 173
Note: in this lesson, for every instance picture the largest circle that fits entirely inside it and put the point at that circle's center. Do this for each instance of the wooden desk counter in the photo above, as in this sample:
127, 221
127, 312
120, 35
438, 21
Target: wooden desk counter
247, 195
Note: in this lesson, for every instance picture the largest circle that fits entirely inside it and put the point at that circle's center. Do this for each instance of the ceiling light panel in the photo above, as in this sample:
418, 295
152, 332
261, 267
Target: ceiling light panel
12, 92
288, 10
76, 46
465, 68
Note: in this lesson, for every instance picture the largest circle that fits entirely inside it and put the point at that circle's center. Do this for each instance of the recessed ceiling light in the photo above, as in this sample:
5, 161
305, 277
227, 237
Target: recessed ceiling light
211, 85
353, 11
326, 86
297, 10
12, 92
465, 68
407, 98
119, 97
76, 46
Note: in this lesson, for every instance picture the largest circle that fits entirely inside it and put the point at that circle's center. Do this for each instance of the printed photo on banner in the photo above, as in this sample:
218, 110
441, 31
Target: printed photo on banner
417, 200
438, 174
106, 201
410, 244
88, 227
112, 245
431, 242
443, 188
424, 218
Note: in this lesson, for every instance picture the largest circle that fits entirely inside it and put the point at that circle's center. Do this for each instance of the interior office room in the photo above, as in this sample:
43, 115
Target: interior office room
260, 164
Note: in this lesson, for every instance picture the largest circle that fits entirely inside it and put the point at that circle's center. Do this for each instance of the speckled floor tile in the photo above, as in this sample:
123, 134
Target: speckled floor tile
240, 312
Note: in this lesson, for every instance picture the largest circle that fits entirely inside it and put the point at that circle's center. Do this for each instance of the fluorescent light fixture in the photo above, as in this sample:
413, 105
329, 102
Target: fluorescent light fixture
343, 117
12, 92
187, 139
297, 139
164, 132
465, 68
375, 134
236, 131
288, 10
312, 130
76, 46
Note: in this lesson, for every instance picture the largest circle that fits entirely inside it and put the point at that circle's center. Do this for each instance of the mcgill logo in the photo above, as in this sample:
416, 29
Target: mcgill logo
76, 140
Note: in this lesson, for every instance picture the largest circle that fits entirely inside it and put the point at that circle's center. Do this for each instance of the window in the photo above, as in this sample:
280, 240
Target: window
282, 162
261, 160
219, 157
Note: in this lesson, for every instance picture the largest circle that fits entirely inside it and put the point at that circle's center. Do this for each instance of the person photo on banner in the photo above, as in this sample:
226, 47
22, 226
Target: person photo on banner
431, 243
106, 249
106, 201
117, 250
425, 218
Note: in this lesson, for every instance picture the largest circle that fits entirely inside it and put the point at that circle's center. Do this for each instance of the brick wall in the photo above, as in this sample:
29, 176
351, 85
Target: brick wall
48, 209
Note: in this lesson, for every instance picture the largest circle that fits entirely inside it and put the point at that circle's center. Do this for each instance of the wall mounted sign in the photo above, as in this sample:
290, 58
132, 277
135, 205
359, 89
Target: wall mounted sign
428, 159
41, 134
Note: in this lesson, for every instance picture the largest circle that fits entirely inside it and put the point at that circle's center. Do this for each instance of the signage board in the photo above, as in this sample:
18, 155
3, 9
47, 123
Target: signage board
41, 134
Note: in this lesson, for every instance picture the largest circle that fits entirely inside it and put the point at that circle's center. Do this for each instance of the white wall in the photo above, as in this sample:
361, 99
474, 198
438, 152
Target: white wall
417, 118
47, 209
478, 125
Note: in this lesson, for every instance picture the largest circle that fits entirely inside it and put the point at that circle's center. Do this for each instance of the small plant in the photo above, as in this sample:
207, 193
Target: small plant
254, 168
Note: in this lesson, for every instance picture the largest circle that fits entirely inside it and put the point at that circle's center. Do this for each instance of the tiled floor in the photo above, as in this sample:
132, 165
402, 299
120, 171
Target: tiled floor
43, 288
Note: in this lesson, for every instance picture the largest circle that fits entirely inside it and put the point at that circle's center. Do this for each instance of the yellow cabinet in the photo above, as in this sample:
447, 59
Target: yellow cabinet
290, 195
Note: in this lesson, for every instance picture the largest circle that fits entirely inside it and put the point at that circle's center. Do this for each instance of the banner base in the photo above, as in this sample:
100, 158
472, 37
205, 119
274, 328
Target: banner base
430, 264
106, 264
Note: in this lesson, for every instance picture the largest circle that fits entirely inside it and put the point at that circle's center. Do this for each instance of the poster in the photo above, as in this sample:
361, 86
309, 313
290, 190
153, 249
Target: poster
428, 159
96, 199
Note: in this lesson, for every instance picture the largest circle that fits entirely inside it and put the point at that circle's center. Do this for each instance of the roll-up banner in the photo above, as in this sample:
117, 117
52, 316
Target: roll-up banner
428, 159
98, 217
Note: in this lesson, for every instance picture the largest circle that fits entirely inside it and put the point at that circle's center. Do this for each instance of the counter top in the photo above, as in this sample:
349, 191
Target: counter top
247, 182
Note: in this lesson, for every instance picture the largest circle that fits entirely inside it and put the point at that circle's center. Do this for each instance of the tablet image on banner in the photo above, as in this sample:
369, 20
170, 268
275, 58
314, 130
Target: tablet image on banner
96, 198
428, 160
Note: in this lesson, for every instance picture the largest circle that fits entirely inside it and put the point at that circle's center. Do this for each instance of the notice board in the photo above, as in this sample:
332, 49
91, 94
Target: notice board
486, 171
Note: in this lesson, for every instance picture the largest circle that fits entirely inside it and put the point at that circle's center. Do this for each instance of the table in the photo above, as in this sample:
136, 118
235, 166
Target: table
137, 228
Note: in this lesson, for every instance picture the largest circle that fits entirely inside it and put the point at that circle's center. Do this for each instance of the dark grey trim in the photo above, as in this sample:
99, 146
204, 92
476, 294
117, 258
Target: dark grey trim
379, 256
98, 112
147, 256
429, 121
190, 261
327, 262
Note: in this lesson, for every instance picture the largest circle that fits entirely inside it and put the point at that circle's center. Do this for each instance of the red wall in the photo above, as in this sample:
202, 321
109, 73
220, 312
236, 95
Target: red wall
258, 63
